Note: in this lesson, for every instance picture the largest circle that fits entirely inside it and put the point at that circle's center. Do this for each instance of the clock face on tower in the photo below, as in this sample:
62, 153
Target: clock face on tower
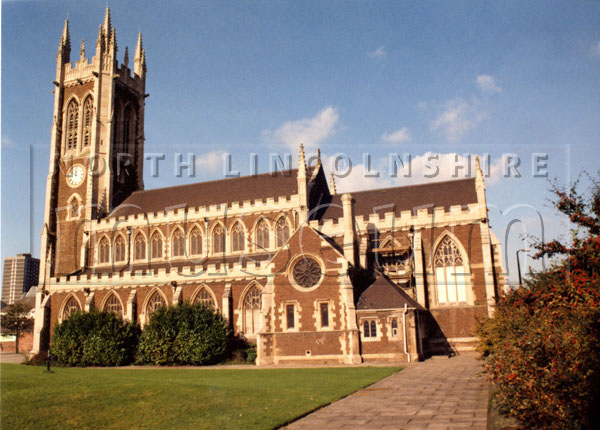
75, 175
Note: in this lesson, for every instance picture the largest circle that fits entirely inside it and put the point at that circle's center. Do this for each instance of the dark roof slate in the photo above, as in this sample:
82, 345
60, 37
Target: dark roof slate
384, 294
436, 194
224, 191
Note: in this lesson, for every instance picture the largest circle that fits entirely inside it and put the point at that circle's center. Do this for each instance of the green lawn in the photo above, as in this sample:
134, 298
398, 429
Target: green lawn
75, 398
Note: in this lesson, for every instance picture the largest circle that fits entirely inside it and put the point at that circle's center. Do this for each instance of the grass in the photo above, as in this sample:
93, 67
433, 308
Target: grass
175, 398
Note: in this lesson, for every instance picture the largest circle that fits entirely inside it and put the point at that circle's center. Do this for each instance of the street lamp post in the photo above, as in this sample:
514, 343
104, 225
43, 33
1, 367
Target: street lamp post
519, 265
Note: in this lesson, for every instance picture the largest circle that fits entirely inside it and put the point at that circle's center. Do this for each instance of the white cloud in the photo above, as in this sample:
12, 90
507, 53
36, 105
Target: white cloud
425, 168
487, 84
595, 50
210, 161
457, 119
398, 136
309, 131
378, 53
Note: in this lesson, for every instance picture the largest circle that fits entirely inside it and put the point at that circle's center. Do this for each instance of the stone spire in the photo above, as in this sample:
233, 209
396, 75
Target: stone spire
99, 39
139, 61
318, 158
332, 189
82, 51
301, 161
107, 24
126, 57
64, 47
302, 186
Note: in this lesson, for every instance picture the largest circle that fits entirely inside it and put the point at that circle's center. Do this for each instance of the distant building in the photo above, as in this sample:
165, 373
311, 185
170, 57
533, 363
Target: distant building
20, 274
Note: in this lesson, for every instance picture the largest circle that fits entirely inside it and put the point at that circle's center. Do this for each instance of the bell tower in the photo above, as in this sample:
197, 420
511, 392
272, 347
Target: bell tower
96, 148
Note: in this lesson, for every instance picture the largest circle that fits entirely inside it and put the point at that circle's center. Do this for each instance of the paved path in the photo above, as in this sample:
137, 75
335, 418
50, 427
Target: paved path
440, 393
9, 357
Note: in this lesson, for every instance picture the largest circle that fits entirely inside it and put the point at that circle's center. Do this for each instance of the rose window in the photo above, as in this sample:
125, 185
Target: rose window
307, 272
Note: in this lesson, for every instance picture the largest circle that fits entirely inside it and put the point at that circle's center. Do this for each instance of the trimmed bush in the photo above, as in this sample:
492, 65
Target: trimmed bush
95, 339
542, 347
184, 334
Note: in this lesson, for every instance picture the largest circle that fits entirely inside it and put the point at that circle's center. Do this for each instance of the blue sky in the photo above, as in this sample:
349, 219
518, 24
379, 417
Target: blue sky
349, 77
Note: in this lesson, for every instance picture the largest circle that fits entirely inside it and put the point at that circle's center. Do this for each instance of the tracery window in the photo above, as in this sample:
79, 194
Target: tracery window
88, 111
126, 132
218, 239
282, 232
205, 299
196, 241
72, 124
113, 305
262, 235
156, 245
307, 272
74, 208
70, 307
450, 273
139, 247
178, 244
251, 311
156, 301
120, 249
104, 251
238, 237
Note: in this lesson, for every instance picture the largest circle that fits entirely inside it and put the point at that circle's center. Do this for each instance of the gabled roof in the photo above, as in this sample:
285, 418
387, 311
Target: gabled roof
408, 198
384, 294
224, 191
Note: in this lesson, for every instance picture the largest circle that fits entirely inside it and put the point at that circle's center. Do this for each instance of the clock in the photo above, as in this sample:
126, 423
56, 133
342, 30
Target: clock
75, 175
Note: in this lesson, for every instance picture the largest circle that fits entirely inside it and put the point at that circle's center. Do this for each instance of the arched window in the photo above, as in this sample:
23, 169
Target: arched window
205, 299
238, 237
156, 245
251, 311
139, 252
262, 235
120, 249
104, 251
450, 273
88, 113
72, 124
177, 244
282, 232
156, 301
113, 305
71, 306
74, 208
369, 328
394, 327
195, 241
218, 239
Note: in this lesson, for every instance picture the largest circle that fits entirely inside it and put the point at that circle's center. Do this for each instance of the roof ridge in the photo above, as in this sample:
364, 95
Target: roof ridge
409, 186
212, 181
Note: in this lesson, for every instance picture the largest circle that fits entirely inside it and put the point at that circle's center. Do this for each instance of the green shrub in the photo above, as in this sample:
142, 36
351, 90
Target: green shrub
251, 354
542, 347
95, 339
184, 334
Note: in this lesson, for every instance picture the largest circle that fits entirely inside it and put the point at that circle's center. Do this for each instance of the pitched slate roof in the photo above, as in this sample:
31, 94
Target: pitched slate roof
384, 294
224, 191
408, 198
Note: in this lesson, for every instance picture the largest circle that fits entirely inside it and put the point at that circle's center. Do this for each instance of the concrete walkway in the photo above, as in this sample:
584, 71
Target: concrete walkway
440, 393
10, 357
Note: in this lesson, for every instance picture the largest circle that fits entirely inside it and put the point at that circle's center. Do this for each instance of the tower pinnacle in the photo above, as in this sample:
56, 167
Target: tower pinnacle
64, 47
82, 50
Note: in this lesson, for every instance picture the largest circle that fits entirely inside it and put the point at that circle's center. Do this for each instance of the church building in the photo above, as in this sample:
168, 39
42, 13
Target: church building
305, 273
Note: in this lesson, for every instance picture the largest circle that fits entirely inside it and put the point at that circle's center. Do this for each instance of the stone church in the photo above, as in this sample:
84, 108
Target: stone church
309, 275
